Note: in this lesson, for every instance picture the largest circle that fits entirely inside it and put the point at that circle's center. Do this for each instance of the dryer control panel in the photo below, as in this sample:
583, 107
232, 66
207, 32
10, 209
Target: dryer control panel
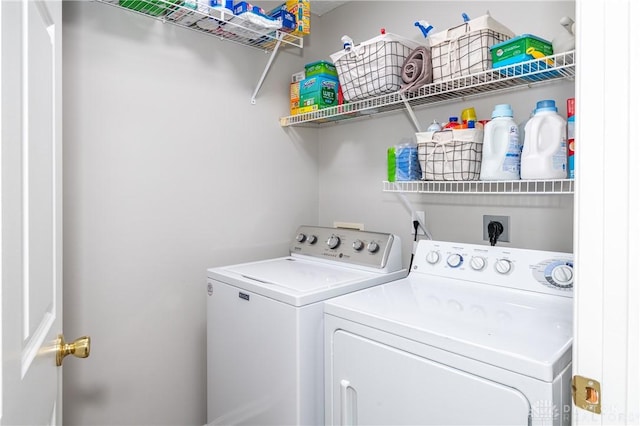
523, 269
376, 250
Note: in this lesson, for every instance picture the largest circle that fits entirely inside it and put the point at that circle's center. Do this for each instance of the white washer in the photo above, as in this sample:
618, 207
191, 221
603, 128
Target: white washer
264, 323
474, 335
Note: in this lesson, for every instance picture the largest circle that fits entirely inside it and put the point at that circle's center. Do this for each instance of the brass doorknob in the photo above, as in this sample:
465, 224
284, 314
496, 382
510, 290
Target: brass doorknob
79, 348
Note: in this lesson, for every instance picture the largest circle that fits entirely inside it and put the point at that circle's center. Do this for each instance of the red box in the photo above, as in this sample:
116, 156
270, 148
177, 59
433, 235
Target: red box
571, 107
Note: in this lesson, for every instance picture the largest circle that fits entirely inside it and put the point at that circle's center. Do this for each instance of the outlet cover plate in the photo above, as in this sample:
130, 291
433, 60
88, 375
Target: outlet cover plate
504, 220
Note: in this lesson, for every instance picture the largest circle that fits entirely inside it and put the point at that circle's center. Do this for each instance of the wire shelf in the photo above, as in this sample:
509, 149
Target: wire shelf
211, 21
525, 187
511, 77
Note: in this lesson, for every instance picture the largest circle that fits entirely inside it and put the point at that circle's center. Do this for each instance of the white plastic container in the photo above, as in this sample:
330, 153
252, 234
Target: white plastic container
544, 153
501, 146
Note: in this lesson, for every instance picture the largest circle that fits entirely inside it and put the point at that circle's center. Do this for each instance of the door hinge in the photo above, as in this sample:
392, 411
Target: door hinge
586, 393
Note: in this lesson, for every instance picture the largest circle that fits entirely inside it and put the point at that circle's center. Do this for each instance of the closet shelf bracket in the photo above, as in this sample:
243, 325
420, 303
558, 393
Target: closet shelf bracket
410, 112
279, 37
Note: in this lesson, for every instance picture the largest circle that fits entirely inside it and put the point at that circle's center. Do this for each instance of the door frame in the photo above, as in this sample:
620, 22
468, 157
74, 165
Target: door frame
607, 208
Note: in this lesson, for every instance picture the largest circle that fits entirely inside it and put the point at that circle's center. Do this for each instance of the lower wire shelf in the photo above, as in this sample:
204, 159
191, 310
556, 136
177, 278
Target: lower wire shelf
528, 187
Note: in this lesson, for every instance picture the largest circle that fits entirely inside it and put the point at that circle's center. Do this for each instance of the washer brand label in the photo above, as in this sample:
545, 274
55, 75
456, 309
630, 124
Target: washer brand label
210, 289
244, 296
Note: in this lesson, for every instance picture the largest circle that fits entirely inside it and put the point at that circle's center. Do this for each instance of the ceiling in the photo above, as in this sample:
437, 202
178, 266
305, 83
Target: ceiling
320, 7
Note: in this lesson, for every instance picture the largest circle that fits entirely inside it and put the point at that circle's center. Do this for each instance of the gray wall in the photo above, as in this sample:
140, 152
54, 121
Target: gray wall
169, 170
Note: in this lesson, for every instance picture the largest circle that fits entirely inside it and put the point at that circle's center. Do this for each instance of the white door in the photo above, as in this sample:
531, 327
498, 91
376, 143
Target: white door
31, 180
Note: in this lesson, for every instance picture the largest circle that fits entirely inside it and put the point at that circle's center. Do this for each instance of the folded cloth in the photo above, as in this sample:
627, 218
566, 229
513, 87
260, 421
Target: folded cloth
416, 70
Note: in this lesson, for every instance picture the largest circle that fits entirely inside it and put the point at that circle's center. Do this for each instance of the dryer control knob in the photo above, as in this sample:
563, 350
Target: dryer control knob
357, 245
454, 260
301, 237
433, 257
562, 276
333, 241
312, 239
478, 263
503, 266
373, 247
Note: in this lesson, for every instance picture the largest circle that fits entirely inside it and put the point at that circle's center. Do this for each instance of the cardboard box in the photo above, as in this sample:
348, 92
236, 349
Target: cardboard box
320, 68
244, 7
301, 9
297, 77
294, 92
519, 49
304, 110
287, 18
319, 90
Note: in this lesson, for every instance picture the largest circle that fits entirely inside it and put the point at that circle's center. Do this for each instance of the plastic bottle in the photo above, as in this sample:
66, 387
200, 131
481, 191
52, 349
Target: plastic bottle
544, 153
452, 124
391, 164
434, 127
501, 146
566, 38
468, 114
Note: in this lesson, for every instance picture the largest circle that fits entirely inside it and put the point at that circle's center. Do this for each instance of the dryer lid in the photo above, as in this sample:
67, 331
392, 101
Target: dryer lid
525, 332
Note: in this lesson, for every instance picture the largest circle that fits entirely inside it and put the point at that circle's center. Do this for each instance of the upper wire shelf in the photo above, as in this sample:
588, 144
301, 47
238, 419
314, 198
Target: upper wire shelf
524, 187
511, 77
211, 21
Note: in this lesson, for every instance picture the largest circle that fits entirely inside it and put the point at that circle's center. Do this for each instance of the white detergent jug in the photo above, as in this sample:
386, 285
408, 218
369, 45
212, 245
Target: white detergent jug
501, 146
544, 154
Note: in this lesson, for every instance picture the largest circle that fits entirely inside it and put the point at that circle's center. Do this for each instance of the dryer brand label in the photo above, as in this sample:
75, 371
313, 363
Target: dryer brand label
210, 289
244, 296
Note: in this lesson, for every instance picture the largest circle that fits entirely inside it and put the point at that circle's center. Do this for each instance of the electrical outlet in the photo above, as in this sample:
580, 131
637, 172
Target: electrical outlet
419, 216
504, 220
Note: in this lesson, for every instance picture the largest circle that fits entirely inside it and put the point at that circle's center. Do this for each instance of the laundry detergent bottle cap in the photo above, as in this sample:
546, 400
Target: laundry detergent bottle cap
502, 110
546, 105
468, 114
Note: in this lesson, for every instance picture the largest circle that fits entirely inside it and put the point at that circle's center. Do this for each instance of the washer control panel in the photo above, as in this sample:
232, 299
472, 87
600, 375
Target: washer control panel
524, 269
349, 246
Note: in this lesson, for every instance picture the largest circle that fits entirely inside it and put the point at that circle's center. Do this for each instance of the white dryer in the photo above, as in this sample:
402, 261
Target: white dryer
264, 323
474, 335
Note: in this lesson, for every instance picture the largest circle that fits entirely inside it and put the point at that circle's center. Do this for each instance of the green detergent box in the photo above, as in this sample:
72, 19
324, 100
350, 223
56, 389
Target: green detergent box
150, 7
320, 68
520, 49
320, 90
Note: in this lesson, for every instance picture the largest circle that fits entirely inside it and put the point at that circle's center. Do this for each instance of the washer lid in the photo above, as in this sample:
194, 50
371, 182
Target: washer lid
525, 332
297, 281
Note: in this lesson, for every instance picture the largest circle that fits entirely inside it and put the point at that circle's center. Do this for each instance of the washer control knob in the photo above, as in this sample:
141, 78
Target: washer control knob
333, 241
373, 247
312, 239
562, 276
454, 260
433, 257
478, 263
503, 266
357, 245
301, 237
